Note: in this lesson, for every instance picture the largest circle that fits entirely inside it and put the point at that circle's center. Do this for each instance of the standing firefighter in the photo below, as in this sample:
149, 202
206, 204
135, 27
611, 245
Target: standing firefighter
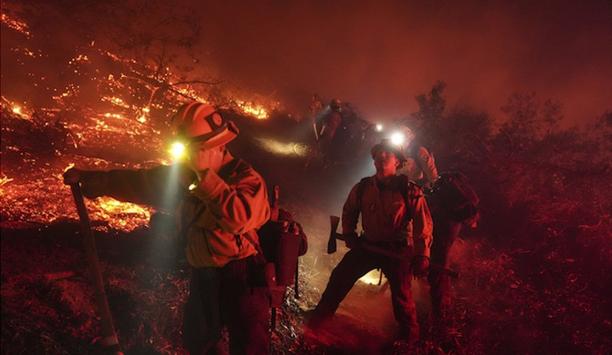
332, 122
420, 165
397, 237
218, 217
453, 203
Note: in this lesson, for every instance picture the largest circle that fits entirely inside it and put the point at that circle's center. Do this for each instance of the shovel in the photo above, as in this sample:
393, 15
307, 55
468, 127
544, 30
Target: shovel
109, 340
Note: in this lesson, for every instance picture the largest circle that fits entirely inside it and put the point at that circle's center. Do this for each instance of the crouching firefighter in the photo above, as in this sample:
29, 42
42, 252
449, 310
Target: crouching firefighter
397, 237
218, 215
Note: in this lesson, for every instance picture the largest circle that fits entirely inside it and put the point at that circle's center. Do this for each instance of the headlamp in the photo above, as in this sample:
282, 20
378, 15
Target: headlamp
379, 127
397, 138
177, 150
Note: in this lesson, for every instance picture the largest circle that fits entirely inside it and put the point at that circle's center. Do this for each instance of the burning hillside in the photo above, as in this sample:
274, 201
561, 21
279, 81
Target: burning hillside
94, 88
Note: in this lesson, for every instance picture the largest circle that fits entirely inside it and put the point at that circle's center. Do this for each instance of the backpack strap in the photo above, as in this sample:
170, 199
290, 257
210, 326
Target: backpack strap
361, 185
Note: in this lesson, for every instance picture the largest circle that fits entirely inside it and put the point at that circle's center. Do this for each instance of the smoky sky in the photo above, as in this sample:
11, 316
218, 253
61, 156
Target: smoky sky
381, 54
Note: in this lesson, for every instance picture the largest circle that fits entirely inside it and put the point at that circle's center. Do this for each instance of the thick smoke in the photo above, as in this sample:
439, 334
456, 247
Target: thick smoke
379, 55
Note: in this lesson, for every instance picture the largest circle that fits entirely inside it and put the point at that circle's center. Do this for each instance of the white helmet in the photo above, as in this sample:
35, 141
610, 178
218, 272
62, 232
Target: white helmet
200, 122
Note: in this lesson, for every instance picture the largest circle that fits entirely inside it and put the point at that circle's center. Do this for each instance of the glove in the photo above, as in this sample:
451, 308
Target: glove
93, 183
351, 240
186, 176
419, 265
72, 176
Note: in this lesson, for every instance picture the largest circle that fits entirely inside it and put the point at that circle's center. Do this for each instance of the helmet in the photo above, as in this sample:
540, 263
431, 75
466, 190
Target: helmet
200, 122
386, 145
335, 104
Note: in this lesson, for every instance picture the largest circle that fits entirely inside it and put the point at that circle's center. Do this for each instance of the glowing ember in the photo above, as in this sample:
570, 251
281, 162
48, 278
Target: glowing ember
4, 180
120, 215
15, 108
117, 101
119, 109
16, 25
113, 115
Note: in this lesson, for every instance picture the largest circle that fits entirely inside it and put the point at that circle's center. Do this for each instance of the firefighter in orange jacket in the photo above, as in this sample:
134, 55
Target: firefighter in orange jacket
397, 237
218, 218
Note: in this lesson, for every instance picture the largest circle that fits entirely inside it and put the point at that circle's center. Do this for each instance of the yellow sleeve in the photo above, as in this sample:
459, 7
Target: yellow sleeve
422, 224
234, 209
428, 165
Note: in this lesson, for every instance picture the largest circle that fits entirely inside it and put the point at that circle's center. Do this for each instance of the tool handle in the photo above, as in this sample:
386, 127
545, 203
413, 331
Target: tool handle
109, 337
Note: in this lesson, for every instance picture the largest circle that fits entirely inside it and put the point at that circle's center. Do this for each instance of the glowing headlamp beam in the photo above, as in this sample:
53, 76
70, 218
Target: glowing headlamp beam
177, 150
397, 138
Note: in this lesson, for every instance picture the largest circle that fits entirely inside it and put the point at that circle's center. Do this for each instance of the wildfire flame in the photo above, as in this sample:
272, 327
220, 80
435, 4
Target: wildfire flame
253, 110
128, 114
120, 215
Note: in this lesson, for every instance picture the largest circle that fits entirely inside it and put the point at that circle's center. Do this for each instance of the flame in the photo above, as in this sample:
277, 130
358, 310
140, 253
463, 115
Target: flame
127, 113
70, 166
18, 110
257, 111
121, 215
3, 181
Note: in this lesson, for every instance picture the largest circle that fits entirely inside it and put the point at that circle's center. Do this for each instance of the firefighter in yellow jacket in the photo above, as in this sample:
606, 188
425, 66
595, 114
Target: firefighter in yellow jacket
218, 217
397, 238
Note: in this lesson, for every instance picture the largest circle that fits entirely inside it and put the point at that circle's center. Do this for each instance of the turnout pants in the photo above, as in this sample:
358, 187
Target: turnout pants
358, 262
445, 233
225, 297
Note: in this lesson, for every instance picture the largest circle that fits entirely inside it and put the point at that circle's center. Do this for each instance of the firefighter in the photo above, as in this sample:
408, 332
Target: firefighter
420, 165
397, 238
314, 110
220, 201
332, 122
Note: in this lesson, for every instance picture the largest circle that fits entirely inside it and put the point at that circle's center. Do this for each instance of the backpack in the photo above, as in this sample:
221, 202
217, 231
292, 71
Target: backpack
455, 195
281, 241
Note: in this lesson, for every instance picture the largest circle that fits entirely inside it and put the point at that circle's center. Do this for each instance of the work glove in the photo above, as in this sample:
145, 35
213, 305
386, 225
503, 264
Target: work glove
419, 265
186, 176
72, 176
92, 182
351, 240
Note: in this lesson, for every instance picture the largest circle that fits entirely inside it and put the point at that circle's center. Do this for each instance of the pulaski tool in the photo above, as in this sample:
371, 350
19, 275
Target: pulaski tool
334, 235
109, 340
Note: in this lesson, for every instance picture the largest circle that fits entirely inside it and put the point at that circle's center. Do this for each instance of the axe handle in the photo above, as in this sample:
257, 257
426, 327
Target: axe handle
109, 336
444, 270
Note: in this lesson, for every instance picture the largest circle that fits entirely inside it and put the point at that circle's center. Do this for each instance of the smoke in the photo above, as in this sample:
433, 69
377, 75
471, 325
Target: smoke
377, 54
380, 54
